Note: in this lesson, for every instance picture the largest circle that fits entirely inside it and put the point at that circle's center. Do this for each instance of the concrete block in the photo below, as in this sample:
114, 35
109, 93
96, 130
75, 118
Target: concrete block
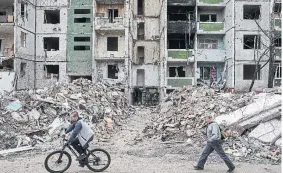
267, 132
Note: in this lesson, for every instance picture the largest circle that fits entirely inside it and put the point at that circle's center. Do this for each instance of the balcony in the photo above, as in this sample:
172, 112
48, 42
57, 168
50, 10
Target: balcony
103, 23
211, 3
180, 55
210, 55
277, 24
180, 27
210, 28
278, 53
178, 82
113, 58
110, 1
6, 19
181, 2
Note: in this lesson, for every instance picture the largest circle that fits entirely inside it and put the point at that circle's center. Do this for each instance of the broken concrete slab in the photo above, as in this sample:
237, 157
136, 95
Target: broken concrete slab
267, 132
9, 151
278, 142
34, 114
260, 105
14, 106
18, 117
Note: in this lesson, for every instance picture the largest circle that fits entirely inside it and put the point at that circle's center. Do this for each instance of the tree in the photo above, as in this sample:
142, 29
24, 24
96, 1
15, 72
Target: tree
269, 50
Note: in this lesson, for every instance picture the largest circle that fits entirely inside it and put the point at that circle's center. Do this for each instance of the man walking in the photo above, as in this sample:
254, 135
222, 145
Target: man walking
214, 142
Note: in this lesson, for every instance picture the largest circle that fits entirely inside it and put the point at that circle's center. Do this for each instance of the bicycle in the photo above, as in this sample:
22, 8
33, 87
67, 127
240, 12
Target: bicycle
92, 159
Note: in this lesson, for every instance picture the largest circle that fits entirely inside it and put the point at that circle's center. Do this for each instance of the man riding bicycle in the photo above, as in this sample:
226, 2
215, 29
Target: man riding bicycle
82, 134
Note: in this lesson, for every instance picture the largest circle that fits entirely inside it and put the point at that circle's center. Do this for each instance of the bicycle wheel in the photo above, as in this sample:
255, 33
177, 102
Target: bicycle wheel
54, 164
98, 160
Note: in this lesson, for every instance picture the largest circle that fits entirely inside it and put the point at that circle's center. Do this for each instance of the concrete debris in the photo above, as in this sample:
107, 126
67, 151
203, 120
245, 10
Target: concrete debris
181, 117
6, 152
278, 142
267, 132
44, 112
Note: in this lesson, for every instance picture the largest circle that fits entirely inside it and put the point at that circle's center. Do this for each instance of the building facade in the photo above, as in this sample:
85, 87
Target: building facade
147, 48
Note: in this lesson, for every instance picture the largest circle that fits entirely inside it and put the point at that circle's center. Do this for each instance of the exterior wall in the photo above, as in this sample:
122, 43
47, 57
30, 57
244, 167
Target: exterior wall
101, 43
79, 63
151, 51
42, 81
219, 14
26, 54
6, 82
102, 72
151, 75
243, 85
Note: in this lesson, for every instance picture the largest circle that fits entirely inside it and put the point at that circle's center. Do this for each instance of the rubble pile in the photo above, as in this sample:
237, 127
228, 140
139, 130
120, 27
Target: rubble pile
181, 117
30, 117
182, 113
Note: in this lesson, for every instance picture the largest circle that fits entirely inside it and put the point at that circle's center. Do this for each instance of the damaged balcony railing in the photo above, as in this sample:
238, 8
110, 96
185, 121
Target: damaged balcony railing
105, 22
211, 27
180, 55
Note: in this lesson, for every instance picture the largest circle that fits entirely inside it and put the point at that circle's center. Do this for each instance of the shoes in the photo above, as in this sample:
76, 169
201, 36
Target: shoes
81, 157
231, 170
197, 168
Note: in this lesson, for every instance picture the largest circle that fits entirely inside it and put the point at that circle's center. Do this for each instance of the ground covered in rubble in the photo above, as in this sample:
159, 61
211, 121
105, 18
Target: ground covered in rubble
131, 153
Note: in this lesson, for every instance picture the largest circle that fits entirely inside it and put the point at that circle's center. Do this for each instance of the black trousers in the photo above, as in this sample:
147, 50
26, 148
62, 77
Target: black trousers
77, 146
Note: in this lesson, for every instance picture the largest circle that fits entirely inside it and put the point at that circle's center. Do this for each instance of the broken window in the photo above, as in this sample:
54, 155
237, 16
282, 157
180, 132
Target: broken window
2, 13
277, 42
23, 9
82, 20
249, 72
251, 12
113, 71
81, 48
205, 73
52, 16
140, 7
208, 44
112, 43
180, 13
252, 42
112, 14
180, 41
23, 69
141, 54
82, 11
140, 31
51, 43
208, 18
177, 72
277, 8
51, 71
140, 77
23, 39
82, 39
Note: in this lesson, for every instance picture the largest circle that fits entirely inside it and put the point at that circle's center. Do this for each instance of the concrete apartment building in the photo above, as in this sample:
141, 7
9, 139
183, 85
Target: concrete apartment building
147, 48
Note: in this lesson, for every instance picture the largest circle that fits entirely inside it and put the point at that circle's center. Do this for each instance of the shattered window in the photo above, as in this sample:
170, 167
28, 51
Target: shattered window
23, 10
81, 11
251, 12
113, 71
278, 42
249, 72
51, 71
82, 39
251, 42
208, 18
140, 31
277, 8
51, 43
208, 44
177, 72
112, 14
205, 73
78, 48
51, 16
112, 43
140, 7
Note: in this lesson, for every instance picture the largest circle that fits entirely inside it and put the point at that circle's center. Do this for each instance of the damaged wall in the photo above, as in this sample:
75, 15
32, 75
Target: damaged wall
103, 9
151, 75
151, 51
101, 43
43, 81
188, 69
102, 72
25, 43
7, 41
6, 81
